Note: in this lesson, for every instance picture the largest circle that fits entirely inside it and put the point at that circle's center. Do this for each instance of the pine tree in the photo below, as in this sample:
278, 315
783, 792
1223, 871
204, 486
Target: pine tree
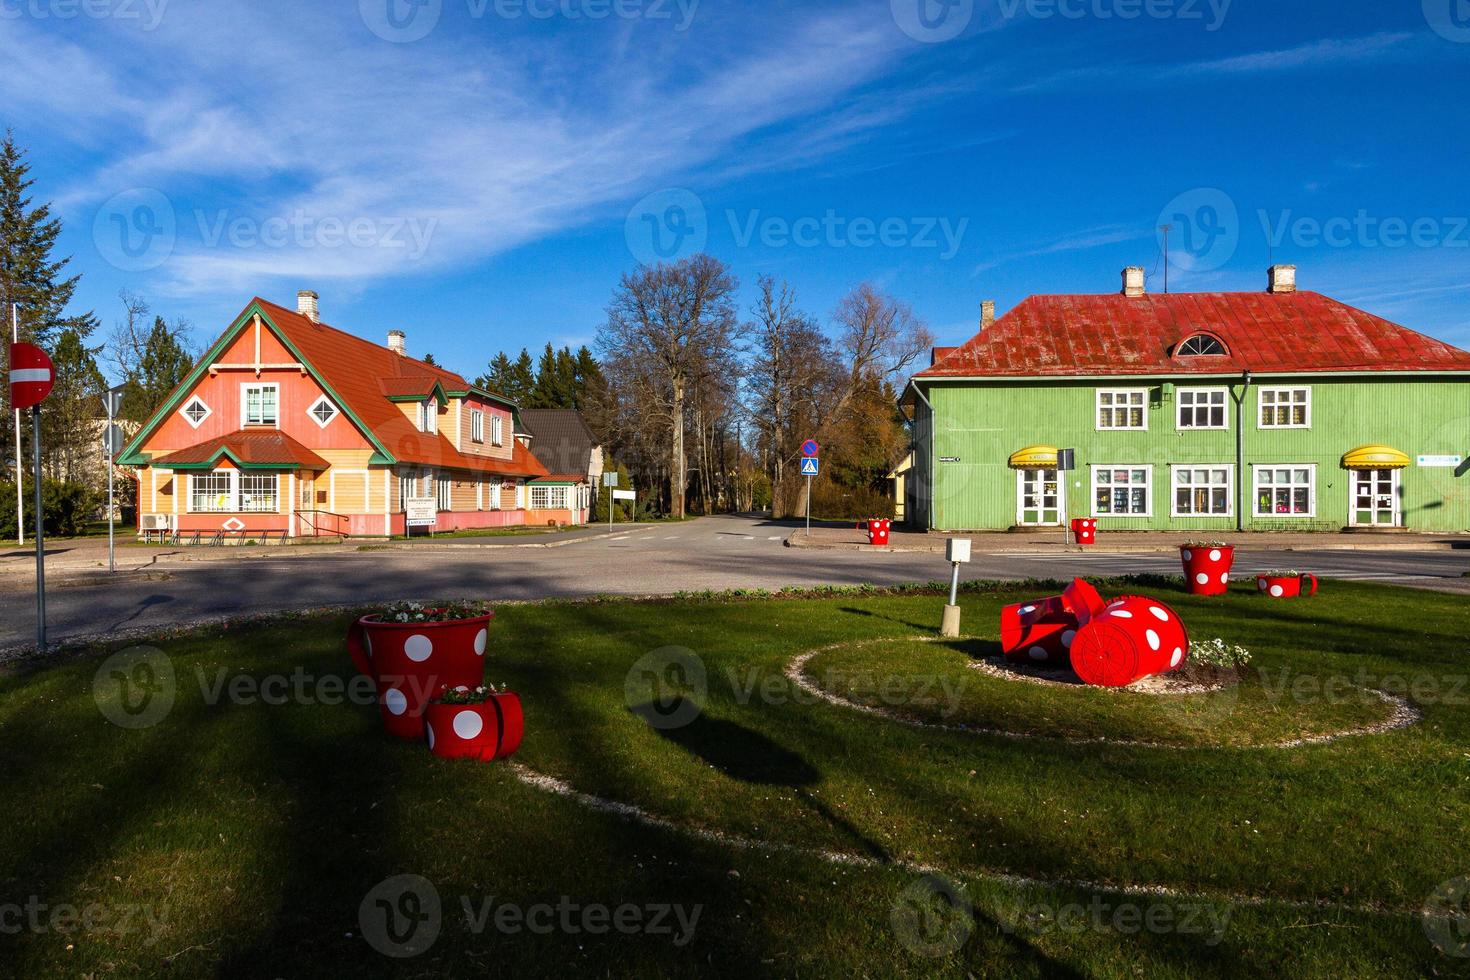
69, 432
29, 275
523, 378
162, 366
497, 378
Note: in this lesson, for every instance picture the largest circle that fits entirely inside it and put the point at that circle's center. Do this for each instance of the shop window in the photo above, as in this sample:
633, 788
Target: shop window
1122, 491
211, 493
1285, 491
1201, 491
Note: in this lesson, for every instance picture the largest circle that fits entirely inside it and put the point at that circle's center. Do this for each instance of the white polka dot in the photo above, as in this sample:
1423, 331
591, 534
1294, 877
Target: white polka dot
1122, 614
396, 702
418, 648
1214, 554
1027, 609
1224, 577
1188, 554
1178, 656
1153, 639
480, 639
1067, 636
1201, 578
1159, 614
430, 730
468, 724
1277, 591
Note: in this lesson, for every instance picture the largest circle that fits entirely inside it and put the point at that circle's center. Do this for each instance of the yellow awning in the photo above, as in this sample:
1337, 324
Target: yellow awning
1034, 458
1375, 458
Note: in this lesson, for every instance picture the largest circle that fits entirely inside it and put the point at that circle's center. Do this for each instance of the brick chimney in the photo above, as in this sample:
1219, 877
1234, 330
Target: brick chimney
306, 305
987, 314
398, 342
1133, 281
1282, 279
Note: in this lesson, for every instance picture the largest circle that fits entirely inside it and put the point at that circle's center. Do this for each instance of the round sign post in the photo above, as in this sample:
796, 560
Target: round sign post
31, 378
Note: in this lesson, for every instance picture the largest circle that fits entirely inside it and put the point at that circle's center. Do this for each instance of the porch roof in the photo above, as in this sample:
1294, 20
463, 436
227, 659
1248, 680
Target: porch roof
249, 449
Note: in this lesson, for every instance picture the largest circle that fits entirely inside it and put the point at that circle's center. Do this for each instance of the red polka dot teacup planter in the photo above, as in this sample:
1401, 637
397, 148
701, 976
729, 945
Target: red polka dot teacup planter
483, 730
1084, 530
1207, 567
413, 660
1287, 585
1133, 637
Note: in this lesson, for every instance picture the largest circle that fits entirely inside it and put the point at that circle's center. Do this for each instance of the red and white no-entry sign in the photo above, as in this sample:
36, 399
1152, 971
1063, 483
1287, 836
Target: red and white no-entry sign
31, 375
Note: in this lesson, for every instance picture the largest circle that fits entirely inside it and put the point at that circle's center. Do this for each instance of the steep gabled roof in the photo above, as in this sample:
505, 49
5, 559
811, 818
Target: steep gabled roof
1267, 333
359, 375
560, 439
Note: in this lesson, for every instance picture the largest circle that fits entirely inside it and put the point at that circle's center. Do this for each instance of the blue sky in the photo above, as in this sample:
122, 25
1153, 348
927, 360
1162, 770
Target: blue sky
480, 172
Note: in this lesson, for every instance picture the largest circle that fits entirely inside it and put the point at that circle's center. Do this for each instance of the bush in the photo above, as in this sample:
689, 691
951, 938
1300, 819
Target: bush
67, 507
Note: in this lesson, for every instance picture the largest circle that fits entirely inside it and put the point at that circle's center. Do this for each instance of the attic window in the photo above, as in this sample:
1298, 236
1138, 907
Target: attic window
195, 412
323, 411
1201, 345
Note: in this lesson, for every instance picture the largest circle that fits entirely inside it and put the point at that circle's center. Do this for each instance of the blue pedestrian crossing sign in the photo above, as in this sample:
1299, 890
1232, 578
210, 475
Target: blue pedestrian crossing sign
809, 466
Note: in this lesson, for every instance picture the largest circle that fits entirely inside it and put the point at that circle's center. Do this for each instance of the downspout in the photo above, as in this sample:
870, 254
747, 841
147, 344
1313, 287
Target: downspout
1245, 380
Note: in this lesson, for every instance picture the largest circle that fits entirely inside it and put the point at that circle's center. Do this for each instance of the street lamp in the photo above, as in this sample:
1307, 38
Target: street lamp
111, 446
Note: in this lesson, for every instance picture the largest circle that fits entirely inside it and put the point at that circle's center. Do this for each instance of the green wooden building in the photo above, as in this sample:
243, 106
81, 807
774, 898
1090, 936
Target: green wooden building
1278, 410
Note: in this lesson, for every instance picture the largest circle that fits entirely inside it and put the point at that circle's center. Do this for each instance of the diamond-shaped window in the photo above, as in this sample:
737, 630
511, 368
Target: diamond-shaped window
195, 411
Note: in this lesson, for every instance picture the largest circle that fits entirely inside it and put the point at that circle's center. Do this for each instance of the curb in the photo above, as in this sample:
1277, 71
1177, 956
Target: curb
791, 542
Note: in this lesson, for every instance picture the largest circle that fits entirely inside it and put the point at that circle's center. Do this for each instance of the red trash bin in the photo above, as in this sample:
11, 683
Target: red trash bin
1084, 530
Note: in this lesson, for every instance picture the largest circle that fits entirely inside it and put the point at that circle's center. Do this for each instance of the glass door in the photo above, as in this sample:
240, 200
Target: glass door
1040, 498
1375, 500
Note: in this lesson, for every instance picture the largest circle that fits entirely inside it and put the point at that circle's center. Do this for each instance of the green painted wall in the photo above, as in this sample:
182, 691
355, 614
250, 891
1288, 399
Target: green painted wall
976, 426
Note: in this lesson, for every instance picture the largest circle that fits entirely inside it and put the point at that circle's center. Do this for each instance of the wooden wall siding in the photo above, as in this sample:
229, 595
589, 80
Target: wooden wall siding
222, 393
979, 426
463, 407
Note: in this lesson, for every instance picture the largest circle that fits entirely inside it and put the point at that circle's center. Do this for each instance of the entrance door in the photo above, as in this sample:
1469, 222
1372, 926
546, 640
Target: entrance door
1375, 498
1040, 498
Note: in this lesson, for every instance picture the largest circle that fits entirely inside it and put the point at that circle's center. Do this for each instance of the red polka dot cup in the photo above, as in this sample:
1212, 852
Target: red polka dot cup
411, 662
1207, 568
1287, 586
489, 730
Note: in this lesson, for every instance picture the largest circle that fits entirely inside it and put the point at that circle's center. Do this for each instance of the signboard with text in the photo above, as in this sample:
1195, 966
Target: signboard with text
422, 512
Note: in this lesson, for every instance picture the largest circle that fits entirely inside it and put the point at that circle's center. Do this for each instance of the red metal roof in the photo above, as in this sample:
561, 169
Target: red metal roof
247, 447
362, 373
1267, 333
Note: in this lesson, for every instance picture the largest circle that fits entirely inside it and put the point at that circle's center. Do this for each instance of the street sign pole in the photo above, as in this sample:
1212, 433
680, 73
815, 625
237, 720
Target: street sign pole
808, 506
20, 496
40, 532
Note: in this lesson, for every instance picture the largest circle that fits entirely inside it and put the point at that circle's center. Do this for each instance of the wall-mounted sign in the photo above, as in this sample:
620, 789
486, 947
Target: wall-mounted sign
1442, 460
949, 459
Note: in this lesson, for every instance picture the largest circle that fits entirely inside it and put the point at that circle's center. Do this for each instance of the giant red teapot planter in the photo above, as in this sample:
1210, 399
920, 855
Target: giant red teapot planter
1106, 643
413, 663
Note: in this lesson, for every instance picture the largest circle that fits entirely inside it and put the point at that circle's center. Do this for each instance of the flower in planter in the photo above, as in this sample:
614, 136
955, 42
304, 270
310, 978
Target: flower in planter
468, 695
1218, 653
436, 612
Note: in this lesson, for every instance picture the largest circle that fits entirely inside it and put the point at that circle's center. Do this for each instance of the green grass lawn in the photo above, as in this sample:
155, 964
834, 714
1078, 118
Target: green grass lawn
240, 838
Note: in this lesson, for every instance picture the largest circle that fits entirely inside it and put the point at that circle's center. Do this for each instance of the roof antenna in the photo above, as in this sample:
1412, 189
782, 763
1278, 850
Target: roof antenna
1166, 229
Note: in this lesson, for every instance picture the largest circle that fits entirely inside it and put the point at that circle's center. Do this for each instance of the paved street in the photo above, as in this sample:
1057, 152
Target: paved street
711, 553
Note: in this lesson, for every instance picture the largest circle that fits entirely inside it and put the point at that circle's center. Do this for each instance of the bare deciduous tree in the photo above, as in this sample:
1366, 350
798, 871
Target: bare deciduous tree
667, 327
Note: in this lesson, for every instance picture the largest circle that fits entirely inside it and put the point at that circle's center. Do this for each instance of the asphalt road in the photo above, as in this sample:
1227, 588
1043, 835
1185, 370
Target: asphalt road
711, 553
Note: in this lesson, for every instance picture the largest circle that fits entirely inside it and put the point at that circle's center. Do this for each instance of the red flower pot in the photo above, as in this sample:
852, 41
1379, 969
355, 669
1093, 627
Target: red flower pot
1207, 569
1084, 530
1287, 586
1041, 631
486, 731
1135, 636
412, 662
877, 531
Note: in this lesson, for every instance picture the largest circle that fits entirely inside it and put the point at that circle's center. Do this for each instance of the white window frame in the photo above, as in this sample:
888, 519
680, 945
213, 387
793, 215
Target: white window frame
184, 411
1061, 508
311, 410
444, 494
477, 425
1179, 408
245, 389
275, 493
1148, 496
1174, 488
1258, 468
1097, 408
497, 430
1277, 390
229, 493
429, 416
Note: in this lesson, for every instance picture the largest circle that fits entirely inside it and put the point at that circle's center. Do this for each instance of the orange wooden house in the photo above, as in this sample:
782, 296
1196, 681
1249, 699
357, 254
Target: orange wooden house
288, 427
